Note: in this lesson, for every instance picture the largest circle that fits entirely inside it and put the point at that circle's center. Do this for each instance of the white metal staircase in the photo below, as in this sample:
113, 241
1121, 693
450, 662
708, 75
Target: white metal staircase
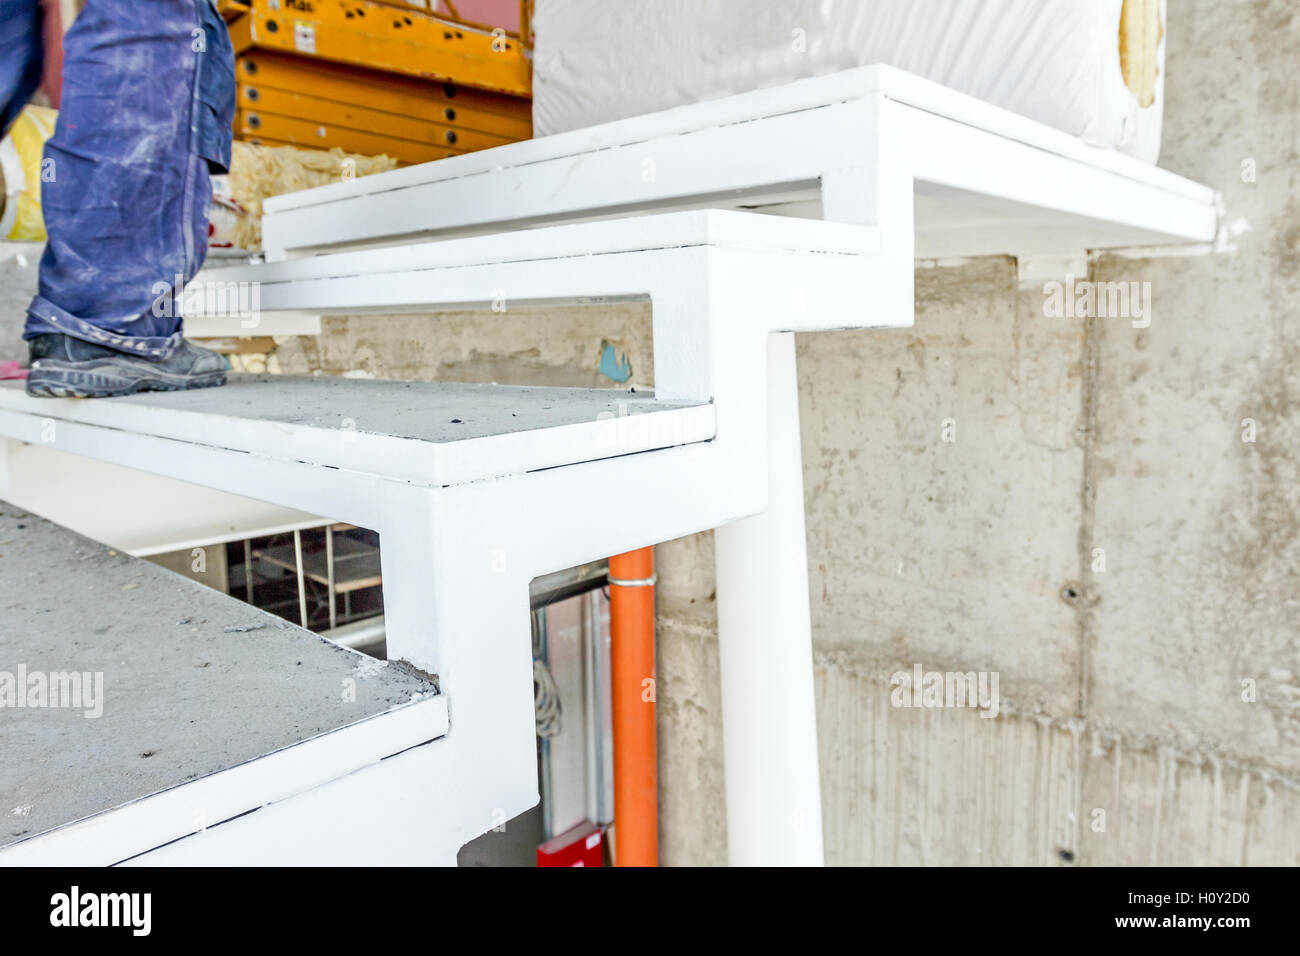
477, 489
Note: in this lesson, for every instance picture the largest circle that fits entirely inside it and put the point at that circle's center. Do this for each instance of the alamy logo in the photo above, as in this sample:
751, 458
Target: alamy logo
922, 688
75, 908
209, 297
1082, 299
72, 690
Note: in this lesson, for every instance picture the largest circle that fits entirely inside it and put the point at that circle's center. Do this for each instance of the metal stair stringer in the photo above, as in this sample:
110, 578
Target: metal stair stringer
465, 525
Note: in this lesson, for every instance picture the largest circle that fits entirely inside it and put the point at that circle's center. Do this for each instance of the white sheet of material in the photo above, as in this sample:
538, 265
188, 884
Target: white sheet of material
1054, 61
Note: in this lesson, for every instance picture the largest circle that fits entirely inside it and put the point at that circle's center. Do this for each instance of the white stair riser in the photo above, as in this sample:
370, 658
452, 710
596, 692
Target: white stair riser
748, 163
125, 832
893, 136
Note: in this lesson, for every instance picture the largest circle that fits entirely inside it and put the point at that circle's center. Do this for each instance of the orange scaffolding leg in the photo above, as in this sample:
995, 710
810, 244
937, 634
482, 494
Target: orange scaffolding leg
632, 689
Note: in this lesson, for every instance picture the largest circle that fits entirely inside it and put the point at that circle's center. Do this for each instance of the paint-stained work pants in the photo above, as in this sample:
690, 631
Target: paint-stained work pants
147, 105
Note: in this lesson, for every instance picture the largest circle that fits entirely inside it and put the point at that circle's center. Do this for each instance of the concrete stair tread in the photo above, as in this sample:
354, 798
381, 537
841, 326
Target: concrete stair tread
194, 684
439, 433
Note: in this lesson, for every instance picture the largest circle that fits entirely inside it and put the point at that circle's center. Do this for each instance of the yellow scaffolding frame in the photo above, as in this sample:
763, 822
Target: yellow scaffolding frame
312, 103
390, 36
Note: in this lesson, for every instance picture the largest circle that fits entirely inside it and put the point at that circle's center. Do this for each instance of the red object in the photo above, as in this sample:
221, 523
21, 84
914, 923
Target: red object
584, 845
494, 13
632, 692
52, 31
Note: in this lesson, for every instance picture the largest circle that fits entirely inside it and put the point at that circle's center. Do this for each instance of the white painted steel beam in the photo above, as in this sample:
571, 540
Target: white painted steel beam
434, 433
776, 146
769, 719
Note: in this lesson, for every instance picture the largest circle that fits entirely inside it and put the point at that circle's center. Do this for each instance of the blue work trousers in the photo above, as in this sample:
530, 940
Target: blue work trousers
147, 105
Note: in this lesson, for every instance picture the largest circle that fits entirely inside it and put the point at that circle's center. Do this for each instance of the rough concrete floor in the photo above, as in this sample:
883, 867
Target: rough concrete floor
177, 680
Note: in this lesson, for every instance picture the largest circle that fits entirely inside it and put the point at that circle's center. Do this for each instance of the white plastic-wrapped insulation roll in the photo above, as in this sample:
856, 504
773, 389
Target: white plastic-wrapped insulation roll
1092, 68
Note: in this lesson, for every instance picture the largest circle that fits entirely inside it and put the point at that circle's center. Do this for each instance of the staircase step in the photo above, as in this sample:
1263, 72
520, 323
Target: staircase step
436, 433
206, 702
943, 173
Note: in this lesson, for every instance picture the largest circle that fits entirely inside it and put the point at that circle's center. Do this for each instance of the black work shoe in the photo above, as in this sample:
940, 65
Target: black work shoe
64, 367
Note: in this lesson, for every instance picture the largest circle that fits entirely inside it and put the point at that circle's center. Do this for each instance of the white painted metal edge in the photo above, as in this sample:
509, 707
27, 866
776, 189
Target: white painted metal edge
699, 227
407, 794
912, 90
219, 325
150, 822
810, 93
259, 531
969, 158
105, 502
743, 107
389, 456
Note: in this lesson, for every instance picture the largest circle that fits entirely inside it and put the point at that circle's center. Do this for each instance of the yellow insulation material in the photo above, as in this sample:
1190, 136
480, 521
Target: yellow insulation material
21, 155
1140, 32
259, 172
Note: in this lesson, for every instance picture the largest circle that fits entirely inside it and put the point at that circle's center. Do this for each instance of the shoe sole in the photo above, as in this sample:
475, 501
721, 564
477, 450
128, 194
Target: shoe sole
52, 381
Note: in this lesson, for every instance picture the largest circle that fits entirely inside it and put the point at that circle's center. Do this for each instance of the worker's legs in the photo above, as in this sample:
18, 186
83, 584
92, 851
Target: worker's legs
147, 105
20, 57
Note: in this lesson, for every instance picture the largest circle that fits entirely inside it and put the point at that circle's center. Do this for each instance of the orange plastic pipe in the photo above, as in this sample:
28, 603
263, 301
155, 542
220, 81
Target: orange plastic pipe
632, 692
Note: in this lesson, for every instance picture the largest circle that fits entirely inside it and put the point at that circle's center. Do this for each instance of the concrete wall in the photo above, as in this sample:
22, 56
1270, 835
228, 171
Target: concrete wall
1098, 533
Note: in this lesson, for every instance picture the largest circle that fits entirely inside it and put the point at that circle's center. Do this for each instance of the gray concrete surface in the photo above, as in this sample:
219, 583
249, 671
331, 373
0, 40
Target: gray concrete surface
422, 411
19, 263
190, 681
